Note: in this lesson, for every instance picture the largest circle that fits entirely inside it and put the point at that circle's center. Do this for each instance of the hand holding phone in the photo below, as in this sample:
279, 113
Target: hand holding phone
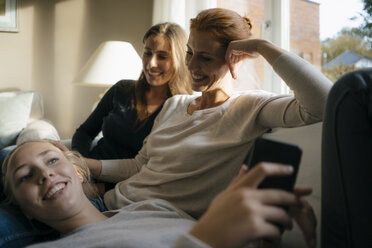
269, 150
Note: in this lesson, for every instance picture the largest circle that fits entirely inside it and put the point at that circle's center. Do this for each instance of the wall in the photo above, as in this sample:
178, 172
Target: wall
304, 31
55, 40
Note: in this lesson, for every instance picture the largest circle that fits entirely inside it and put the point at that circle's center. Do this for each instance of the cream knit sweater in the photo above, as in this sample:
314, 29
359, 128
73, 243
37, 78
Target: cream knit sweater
188, 159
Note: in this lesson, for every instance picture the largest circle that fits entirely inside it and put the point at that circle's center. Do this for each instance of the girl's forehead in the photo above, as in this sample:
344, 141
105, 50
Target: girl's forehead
31, 150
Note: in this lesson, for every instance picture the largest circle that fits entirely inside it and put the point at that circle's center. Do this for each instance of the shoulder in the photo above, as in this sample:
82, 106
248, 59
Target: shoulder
253, 97
124, 85
174, 107
251, 102
123, 91
177, 102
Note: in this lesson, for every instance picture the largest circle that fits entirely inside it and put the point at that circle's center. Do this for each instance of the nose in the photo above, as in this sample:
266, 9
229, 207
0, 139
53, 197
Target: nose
44, 175
153, 62
191, 63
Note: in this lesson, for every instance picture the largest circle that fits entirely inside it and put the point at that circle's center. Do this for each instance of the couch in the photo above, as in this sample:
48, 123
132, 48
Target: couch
22, 118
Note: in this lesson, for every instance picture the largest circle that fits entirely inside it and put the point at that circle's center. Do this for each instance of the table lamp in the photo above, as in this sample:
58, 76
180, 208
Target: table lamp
110, 62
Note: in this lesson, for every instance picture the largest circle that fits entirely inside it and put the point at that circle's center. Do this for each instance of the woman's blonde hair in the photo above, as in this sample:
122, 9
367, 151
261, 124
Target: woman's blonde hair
180, 80
74, 157
179, 83
177, 38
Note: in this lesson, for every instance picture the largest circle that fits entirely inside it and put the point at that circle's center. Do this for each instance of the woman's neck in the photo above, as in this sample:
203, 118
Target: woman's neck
155, 97
157, 94
212, 97
88, 214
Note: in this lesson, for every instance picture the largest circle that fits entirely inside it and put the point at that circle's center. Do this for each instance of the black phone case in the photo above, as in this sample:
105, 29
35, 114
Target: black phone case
269, 150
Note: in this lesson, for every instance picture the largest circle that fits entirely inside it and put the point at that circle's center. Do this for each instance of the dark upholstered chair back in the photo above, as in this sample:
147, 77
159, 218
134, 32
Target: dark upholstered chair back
347, 163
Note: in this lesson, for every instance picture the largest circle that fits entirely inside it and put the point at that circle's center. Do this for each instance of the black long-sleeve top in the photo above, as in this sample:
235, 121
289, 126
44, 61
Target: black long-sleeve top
114, 116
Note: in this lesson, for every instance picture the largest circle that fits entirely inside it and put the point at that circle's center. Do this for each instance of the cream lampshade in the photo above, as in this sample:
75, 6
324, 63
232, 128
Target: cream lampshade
111, 62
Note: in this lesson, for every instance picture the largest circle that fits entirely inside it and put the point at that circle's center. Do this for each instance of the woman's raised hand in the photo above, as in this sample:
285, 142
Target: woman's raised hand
243, 213
240, 50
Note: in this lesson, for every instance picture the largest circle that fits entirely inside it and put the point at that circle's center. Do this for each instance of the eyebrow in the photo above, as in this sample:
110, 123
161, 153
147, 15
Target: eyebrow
38, 155
157, 51
201, 52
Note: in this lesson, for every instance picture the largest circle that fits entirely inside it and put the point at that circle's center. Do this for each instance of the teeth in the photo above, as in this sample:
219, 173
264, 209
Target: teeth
197, 77
54, 190
154, 73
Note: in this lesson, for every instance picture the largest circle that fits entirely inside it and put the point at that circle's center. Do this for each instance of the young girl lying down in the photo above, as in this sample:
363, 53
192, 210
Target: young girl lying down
46, 184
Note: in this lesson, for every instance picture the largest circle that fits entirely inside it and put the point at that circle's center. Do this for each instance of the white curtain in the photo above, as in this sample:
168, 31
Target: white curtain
277, 31
179, 11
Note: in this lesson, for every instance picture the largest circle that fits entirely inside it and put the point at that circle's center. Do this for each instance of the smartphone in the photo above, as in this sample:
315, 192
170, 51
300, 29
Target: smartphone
269, 150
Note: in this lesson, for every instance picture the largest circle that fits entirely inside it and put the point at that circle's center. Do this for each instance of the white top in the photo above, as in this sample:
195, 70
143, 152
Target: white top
188, 159
153, 223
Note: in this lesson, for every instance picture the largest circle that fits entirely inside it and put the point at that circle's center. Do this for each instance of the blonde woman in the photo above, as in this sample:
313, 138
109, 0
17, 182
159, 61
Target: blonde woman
126, 113
45, 183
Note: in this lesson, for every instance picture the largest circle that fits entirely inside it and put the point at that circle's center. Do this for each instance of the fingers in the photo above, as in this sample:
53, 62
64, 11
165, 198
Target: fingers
232, 70
278, 216
272, 236
278, 197
264, 169
305, 217
242, 172
302, 191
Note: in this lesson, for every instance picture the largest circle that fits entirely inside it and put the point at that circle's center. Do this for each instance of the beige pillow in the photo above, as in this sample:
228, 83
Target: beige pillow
14, 114
39, 129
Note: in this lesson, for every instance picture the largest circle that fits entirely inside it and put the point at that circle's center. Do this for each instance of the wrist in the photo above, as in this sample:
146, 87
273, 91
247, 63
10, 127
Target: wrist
205, 233
262, 45
95, 167
269, 51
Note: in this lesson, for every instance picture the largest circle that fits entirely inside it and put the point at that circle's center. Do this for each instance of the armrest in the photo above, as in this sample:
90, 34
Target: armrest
38, 129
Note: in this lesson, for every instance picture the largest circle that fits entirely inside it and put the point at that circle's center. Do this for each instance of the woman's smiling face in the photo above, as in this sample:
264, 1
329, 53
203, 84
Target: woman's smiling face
157, 60
44, 183
205, 60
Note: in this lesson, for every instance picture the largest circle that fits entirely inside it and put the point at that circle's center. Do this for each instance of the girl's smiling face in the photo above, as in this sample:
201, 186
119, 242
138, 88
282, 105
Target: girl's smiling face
44, 183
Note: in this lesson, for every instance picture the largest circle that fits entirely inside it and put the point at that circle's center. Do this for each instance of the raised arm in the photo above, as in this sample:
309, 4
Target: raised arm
239, 50
309, 85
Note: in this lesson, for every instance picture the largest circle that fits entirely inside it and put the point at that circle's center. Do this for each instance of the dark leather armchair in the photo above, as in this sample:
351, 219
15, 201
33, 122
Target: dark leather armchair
346, 207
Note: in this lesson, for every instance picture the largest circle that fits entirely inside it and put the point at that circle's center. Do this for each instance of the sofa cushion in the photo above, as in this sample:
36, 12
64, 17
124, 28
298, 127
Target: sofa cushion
38, 129
14, 113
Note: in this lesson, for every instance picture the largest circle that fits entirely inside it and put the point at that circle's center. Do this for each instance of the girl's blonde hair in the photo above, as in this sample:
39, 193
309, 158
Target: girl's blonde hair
74, 157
